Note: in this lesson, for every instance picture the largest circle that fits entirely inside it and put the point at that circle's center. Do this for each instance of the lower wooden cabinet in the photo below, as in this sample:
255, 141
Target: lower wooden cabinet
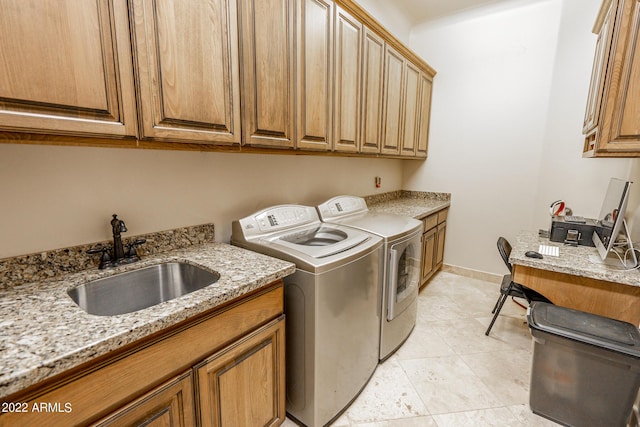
442, 230
428, 252
241, 385
168, 405
435, 227
224, 367
244, 384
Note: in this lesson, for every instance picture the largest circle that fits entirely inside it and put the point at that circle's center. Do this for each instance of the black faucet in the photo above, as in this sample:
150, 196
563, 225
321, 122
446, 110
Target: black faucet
117, 226
118, 256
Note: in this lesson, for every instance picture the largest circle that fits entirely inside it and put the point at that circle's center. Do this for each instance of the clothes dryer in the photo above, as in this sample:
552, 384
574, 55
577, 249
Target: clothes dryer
331, 305
402, 238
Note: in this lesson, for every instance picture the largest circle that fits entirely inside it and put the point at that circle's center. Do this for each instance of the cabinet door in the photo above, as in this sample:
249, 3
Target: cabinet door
66, 68
612, 118
621, 123
442, 229
392, 112
315, 88
268, 64
187, 70
348, 80
244, 384
372, 92
428, 253
596, 87
424, 115
171, 404
411, 96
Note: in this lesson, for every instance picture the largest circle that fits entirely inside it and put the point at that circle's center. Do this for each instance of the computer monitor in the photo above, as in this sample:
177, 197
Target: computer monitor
611, 221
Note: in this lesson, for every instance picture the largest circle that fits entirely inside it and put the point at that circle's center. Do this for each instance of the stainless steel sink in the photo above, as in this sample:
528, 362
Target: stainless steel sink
138, 289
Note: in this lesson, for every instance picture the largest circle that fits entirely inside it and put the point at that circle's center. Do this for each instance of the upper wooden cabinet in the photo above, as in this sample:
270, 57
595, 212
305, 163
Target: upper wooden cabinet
186, 62
407, 107
314, 49
268, 64
347, 81
66, 68
612, 119
312, 75
283, 108
372, 91
596, 87
411, 110
394, 80
424, 118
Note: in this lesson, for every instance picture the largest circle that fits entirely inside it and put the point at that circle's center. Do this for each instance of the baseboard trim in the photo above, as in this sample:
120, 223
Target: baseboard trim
473, 274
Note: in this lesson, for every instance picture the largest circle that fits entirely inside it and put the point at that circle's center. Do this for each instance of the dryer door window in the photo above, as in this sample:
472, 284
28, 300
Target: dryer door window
404, 275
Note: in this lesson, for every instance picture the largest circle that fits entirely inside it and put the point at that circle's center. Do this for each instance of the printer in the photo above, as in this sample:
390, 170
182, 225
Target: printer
577, 232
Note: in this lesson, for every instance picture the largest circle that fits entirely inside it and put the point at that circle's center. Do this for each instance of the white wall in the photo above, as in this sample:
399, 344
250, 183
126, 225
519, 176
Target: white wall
390, 17
506, 121
55, 197
633, 208
564, 173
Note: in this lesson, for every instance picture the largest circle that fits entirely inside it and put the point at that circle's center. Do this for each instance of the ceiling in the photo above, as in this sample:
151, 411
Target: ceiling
424, 10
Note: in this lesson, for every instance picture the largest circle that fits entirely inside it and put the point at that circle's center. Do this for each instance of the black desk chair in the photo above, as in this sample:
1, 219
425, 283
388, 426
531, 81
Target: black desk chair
508, 288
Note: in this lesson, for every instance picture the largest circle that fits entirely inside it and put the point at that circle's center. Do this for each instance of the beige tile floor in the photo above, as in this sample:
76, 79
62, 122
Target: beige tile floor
448, 373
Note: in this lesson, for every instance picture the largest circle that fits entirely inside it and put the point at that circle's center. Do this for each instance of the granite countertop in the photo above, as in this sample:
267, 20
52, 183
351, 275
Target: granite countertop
413, 204
573, 260
44, 333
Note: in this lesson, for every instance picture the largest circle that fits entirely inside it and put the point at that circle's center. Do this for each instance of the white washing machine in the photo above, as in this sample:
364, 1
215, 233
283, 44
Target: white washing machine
331, 305
402, 256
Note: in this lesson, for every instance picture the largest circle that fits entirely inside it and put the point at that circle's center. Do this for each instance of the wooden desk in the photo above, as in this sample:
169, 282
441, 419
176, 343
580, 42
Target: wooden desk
573, 280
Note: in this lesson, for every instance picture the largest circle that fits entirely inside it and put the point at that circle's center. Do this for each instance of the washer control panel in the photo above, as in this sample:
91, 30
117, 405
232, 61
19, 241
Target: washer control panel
341, 206
288, 216
278, 218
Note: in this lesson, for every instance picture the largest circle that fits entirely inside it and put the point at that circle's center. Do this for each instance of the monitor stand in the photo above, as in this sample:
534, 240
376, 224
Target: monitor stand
612, 260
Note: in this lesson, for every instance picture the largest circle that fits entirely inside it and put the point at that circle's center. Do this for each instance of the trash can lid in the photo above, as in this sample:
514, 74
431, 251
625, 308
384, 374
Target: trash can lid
589, 328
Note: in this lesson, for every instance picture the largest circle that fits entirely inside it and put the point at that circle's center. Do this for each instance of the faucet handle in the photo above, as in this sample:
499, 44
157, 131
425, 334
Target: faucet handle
105, 259
131, 248
97, 250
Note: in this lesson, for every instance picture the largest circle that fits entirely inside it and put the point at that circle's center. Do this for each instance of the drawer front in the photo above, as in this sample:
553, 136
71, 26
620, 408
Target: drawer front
430, 221
171, 404
442, 215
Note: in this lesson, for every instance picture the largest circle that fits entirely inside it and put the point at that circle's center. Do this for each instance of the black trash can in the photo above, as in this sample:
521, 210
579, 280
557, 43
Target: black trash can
585, 368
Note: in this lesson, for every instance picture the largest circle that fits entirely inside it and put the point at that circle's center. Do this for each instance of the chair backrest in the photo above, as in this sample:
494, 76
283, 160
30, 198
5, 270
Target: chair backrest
504, 247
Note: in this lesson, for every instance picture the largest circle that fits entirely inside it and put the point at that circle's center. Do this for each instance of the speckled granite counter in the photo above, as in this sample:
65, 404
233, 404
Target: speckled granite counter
572, 260
44, 333
415, 204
